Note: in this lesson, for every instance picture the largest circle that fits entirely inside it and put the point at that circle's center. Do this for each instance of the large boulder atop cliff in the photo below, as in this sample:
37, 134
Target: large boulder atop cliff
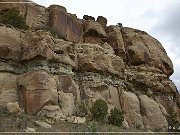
66, 25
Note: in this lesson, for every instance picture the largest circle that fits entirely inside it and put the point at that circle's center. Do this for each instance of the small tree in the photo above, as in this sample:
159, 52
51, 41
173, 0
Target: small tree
99, 110
13, 17
116, 117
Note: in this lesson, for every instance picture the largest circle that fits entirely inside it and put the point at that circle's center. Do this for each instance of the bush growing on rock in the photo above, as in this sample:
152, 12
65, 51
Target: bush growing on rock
99, 110
13, 17
116, 117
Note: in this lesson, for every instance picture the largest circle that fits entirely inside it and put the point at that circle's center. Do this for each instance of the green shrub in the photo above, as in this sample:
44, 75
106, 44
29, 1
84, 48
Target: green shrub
99, 110
82, 110
13, 17
173, 123
116, 117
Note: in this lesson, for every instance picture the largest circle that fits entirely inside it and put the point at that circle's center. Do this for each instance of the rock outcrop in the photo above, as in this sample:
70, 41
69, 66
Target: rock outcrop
62, 61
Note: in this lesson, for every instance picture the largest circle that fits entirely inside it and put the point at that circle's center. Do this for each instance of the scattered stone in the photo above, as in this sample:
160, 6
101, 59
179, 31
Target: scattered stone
43, 124
79, 120
28, 129
71, 119
125, 124
60, 118
50, 111
14, 108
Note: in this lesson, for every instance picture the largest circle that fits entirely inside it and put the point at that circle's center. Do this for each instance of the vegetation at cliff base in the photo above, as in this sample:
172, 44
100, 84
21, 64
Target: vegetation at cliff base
99, 110
116, 117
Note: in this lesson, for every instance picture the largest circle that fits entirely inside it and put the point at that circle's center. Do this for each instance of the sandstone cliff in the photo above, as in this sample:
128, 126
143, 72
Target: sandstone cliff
65, 60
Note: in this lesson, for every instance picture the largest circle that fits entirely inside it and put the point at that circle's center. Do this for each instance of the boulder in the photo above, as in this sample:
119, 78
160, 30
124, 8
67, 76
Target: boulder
115, 39
131, 109
36, 16
102, 20
66, 102
8, 93
125, 124
42, 124
28, 129
94, 32
37, 89
68, 85
10, 43
138, 55
150, 50
79, 120
50, 111
14, 108
152, 115
65, 25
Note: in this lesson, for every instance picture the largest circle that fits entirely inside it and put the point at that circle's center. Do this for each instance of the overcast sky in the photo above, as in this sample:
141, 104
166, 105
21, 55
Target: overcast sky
160, 18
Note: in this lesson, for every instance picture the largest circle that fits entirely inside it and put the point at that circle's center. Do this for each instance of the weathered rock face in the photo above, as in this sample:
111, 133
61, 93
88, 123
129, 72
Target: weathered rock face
144, 49
37, 89
131, 109
126, 67
66, 25
152, 114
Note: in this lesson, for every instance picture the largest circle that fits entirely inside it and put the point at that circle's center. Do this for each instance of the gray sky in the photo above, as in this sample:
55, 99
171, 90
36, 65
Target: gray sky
160, 18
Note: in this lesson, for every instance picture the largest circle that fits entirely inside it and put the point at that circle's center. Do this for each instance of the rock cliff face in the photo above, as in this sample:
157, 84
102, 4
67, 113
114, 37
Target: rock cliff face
85, 60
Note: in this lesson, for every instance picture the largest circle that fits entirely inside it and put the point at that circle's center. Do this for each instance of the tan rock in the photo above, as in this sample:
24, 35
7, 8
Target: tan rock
68, 85
92, 57
115, 39
37, 89
152, 115
14, 108
66, 101
36, 16
8, 93
125, 124
138, 55
28, 129
79, 120
10, 43
94, 32
140, 39
50, 111
163, 110
40, 50
66, 25
107, 48
43, 124
131, 109
115, 96
102, 20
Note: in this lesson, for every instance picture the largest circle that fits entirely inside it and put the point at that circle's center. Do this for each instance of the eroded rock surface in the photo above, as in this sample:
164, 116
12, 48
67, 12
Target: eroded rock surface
62, 61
